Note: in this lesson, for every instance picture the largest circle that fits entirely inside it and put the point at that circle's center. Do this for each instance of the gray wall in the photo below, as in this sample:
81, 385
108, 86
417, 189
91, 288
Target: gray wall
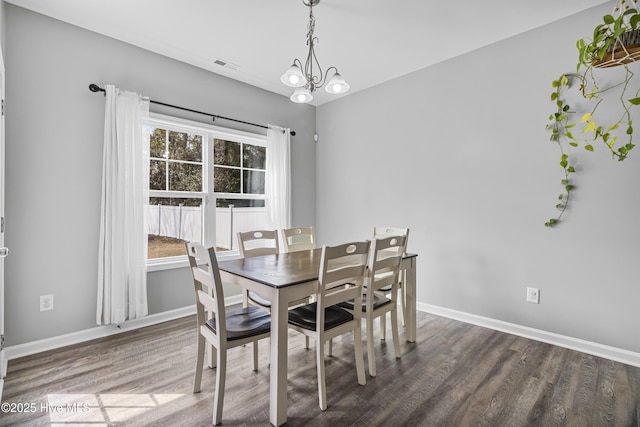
459, 153
473, 174
2, 24
54, 128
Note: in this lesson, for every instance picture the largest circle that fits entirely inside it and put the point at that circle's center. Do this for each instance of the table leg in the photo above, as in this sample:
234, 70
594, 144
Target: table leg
410, 295
278, 384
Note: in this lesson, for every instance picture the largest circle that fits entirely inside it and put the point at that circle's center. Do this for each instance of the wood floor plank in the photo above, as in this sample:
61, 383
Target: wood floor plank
456, 374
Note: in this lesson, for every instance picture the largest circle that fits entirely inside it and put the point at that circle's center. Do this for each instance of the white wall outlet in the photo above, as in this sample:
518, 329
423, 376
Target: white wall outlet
533, 295
46, 302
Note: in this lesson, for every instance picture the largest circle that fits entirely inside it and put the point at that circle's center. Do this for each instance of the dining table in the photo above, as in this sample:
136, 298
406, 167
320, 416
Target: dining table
287, 277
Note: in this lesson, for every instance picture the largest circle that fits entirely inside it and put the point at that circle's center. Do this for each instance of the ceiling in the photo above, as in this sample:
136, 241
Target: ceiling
369, 42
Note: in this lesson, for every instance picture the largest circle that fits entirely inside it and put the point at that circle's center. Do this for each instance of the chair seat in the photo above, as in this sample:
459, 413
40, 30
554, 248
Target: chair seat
259, 300
378, 301
305, 316
245, 322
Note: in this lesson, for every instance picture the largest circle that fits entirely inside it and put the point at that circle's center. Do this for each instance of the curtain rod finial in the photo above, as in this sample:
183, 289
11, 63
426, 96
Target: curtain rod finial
95, 88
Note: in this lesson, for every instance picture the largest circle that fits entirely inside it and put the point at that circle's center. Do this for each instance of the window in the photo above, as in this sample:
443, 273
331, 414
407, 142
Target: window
239, 168
205, 184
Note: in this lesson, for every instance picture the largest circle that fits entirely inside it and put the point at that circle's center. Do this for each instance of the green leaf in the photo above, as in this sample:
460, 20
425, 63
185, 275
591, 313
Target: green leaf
555, 83
635, 101
630, 130
554, 96
573, 144
634, 20
588, 147
571, 169
608, 19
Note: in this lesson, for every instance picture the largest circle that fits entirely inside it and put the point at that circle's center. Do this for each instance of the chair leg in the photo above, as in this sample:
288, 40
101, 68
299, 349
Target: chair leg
403, 300
322, 389
245, 298
357, 340
383, 327
218, 398
199, 362
306, 342
255, 355
395, 333
371, 354
330, 347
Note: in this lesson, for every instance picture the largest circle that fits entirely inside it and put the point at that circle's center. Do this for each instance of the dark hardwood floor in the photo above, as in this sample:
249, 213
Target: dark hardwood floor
456, 374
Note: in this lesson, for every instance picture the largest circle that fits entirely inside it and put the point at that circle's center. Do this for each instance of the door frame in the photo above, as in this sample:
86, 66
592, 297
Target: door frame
3, 361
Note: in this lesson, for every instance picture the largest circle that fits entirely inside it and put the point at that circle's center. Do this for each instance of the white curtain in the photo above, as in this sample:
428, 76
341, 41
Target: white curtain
122, 276
278, 179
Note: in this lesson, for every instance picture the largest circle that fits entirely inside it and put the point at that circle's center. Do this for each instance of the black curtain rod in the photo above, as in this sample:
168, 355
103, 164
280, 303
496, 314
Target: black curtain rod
95, 88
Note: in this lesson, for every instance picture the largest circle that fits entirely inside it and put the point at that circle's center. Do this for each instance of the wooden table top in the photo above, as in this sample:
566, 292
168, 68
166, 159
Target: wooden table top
281, 270
286, 269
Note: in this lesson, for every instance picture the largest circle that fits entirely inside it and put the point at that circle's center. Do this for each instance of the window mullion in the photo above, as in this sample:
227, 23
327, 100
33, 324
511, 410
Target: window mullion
166, 160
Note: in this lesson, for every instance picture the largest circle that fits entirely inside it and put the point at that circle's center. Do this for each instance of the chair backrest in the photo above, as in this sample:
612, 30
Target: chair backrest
299, 239
384, 264
258, 242
381, 232
342, 270
208, 287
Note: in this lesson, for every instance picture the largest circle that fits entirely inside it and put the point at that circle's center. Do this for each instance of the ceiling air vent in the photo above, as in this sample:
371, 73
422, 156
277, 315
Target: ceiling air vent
225, 64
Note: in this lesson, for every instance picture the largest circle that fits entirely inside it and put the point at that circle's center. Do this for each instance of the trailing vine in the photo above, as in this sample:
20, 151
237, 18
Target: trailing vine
562, 123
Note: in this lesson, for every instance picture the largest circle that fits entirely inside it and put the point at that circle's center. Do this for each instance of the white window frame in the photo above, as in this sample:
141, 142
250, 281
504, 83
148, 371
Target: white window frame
209, 132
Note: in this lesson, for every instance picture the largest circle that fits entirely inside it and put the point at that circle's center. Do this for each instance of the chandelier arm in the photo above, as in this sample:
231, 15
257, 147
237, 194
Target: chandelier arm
326, 75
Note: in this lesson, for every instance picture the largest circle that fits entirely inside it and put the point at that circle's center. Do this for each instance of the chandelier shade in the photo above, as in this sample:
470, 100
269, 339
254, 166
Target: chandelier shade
305, 78
301, 95
337, 84
293, 77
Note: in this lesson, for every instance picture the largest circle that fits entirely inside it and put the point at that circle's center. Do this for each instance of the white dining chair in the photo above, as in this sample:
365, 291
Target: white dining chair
299, 239
257, 243
381, 232
383, 270
341, 275
218, 327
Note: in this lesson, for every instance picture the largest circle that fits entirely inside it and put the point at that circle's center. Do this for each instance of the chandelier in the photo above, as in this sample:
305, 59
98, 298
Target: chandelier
304, 80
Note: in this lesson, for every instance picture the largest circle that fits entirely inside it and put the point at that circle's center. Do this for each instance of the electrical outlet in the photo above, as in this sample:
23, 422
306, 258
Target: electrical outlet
533, 295
46, 302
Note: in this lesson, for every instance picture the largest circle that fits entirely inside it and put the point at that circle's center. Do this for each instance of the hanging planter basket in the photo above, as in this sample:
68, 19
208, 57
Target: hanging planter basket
624, 50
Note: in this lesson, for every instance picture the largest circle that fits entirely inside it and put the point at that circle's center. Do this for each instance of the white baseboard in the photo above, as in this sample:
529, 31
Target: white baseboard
595, 349
600, 350
27, 349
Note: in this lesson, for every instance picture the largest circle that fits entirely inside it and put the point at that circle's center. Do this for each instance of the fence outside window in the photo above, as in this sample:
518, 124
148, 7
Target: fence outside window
185, 223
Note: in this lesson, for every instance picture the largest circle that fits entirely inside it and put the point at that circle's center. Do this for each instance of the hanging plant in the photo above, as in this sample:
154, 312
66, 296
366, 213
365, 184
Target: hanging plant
615, 43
